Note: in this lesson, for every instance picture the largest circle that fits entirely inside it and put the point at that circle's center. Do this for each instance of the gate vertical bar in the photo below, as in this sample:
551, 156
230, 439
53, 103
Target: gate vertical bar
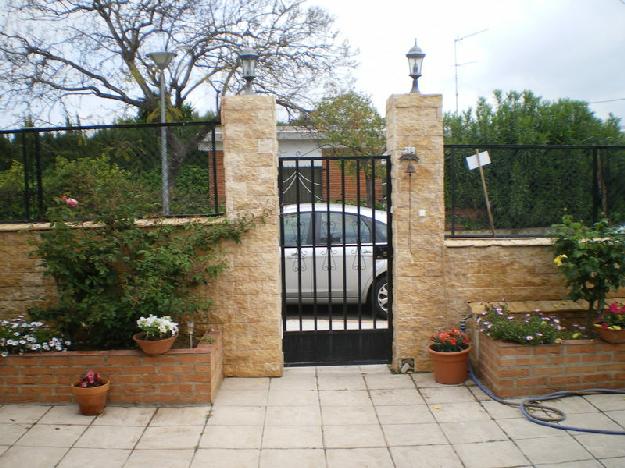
374, 299
329, 245
452, 188
282, 246
344, 239
299, 243
215, 181
26, 179
38, 178
359, 248
389, 246
595, 186
314, 242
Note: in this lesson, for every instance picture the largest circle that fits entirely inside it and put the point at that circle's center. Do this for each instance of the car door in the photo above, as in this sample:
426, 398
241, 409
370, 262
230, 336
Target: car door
297, 256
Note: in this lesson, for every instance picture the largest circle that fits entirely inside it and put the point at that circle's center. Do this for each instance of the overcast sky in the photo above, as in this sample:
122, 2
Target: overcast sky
556, 48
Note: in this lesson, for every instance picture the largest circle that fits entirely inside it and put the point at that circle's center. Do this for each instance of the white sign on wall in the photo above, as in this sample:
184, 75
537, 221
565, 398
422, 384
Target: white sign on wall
472, 161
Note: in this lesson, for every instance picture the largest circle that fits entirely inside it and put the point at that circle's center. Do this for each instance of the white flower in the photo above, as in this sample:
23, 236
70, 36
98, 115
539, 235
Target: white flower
529, 338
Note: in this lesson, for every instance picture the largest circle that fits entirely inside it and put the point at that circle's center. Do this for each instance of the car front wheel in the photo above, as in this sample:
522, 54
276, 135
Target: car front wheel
380, 296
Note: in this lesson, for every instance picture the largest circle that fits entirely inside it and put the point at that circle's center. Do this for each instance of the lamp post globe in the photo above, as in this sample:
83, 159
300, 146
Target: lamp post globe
249, 58
415, 62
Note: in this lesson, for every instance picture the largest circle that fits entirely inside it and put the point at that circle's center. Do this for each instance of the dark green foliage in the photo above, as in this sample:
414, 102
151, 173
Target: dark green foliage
108, 276
533, 187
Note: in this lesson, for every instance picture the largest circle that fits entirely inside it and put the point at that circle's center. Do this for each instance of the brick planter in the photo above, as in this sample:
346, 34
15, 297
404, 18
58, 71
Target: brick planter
510, 369
182, 376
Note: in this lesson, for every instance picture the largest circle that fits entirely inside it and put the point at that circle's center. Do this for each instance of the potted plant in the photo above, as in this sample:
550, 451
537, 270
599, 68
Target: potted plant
449, 352
157, 334
91, 392
611, 326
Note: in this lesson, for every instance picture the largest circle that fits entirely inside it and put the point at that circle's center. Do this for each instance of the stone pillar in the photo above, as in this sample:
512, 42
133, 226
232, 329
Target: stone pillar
246, 299
415, 120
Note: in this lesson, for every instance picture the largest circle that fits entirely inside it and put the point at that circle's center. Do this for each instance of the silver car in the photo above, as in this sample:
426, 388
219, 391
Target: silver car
328, 265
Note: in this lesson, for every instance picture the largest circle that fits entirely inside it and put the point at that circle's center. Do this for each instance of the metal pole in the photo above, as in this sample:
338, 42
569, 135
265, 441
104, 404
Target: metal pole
456, 71
164, 164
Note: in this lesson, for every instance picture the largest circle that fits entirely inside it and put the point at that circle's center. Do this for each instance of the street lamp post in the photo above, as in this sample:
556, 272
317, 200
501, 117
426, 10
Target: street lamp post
415, 62
162, 61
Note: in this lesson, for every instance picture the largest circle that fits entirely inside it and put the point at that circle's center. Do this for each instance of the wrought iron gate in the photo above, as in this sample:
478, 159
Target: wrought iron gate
336, 260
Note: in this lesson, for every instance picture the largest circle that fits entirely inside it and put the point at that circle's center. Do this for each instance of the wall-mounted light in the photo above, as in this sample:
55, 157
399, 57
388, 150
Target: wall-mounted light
415, 63
410, 158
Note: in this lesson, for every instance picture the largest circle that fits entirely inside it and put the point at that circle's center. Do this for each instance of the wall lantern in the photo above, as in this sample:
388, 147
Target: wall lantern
415, 62
248, 58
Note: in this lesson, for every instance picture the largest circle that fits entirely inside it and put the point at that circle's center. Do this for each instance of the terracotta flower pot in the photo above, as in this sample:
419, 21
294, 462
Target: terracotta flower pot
450, 367
91, 400
154, 347
611, 336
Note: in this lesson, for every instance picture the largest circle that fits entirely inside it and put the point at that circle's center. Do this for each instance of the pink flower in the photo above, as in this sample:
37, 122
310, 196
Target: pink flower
615, 309
71, 202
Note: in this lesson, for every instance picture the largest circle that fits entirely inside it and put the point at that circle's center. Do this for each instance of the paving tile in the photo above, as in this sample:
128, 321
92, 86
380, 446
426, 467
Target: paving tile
414, 434
362, 435
602, 445
301, 458
94, 458
241, 398
404, 414
51, 436
190, 416
375, 369
110, 437
293, 416
607, 402
590, 421
9, 433
348, 415
276, 437
294, 382
359, 458
344, 370
159, 458
553, 450
306, 370
27, 414
341, 398
427, 380
293, 398
225, 458
490, 455
500, 411
3, 448
245, 383
400, 396
469, 432
38, 457
119, 416
479, 394
521, 428
426, 456
174, 437
446, 395
458, 412
573, 464
231, 437
237, 416
65, 415
341, 382
618, 416
572, 405
388, 381
613, 462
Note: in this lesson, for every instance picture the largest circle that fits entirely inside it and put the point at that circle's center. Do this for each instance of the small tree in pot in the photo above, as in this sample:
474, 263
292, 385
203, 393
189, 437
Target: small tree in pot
592, 260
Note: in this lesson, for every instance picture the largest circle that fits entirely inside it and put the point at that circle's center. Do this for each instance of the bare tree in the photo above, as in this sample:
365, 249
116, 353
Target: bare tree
52, 50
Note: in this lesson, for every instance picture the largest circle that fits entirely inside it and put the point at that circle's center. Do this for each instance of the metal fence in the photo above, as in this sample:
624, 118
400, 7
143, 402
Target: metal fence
531, 187
38, 165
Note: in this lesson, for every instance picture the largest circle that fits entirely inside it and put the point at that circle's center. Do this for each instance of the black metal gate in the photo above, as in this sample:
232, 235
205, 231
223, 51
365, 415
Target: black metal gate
336, 259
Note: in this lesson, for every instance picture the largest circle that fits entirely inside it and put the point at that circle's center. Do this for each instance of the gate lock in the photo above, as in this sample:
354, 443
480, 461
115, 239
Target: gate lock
380, 252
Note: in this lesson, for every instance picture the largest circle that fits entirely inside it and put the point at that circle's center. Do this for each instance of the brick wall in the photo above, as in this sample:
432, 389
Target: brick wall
182, 376
519, 370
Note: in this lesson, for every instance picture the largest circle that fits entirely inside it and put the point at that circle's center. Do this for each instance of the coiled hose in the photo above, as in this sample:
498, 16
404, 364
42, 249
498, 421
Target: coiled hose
551, 416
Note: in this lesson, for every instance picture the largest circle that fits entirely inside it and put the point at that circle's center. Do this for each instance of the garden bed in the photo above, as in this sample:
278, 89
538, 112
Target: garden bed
510, 369
180, 377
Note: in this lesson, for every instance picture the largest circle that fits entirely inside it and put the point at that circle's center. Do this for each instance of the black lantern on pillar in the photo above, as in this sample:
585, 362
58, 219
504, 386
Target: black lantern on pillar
415, 61
248, 58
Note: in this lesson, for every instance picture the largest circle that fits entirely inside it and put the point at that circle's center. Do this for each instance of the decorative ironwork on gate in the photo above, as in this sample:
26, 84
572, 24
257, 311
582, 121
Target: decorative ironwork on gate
336, 259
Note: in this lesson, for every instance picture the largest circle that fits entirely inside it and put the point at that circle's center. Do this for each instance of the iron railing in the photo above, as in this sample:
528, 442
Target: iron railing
532, 186
37, 165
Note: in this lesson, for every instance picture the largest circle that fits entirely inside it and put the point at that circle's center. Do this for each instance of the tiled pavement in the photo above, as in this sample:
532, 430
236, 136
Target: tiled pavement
316, 417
